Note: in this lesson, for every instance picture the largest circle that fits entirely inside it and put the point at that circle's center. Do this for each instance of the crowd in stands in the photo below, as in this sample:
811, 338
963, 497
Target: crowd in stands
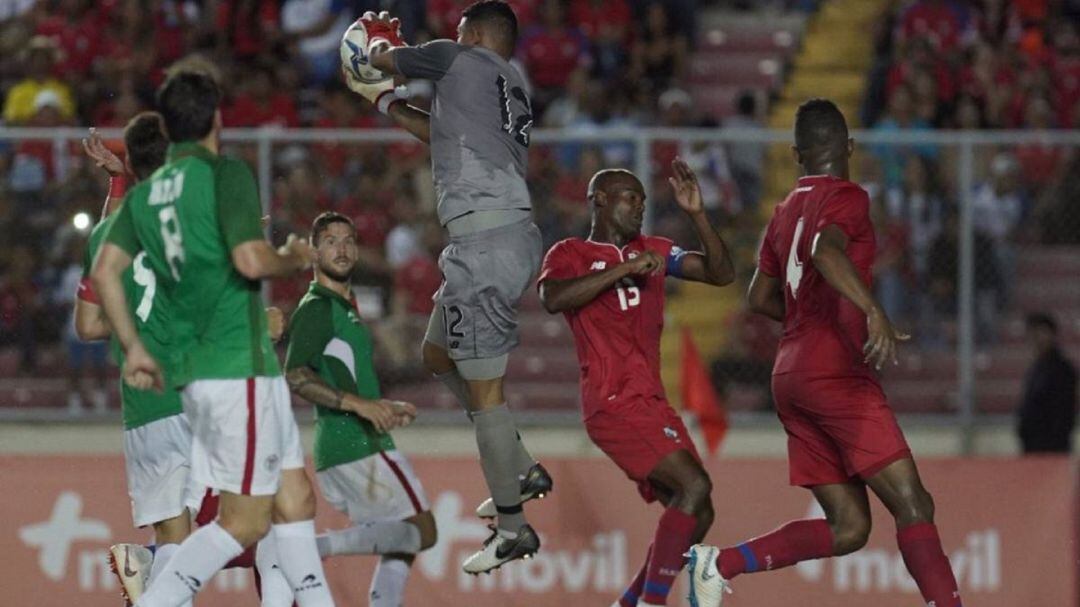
974, 64
592, 65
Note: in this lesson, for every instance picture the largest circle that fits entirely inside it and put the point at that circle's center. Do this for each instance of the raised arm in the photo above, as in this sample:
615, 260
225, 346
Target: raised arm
256, 259
830, 259
239, 216
560, 295
714, 266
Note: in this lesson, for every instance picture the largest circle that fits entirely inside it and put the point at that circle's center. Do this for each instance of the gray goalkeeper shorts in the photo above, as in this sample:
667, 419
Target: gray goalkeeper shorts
485, 275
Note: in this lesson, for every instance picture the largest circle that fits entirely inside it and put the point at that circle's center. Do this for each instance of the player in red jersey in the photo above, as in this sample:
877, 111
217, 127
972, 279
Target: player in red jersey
814, 275
610, 288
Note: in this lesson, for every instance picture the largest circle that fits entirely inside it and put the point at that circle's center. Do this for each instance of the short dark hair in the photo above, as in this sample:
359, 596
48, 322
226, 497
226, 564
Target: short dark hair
1042, 320
187, 102
323, 221
146, 143
497, 15
820, 124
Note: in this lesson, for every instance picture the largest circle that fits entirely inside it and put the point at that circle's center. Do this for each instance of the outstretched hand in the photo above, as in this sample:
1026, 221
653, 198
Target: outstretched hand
95, 148
684, 183
382, 31
884, 338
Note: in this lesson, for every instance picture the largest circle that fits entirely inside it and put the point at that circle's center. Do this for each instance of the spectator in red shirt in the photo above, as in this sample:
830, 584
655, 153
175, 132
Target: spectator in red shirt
260, 102
77, 26
1039, 162
247, 28
938, 21
551, 52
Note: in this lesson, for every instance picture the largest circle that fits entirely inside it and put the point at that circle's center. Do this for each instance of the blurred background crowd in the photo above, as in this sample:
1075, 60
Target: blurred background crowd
594, 66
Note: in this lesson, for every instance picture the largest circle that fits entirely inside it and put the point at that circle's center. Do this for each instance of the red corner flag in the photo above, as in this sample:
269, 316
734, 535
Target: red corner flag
699, 395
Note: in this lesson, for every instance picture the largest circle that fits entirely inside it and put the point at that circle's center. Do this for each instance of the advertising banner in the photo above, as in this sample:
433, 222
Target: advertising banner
1009, 527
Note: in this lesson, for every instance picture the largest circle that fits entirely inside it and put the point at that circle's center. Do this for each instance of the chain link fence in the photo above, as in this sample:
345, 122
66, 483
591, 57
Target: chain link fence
975, 231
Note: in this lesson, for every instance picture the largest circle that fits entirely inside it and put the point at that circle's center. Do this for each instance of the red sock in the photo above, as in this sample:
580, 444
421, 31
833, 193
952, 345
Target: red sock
673, 538
633, 592
796, 541
927, 563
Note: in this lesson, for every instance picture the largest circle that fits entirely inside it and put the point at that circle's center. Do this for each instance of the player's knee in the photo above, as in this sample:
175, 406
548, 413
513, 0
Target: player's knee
425, 524
850, 534
697, 493
916, 506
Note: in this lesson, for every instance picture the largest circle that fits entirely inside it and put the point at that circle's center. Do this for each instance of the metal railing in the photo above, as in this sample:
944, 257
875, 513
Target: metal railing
964, 145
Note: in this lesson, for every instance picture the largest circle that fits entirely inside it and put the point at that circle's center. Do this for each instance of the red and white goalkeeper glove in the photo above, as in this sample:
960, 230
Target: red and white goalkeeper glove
382, 32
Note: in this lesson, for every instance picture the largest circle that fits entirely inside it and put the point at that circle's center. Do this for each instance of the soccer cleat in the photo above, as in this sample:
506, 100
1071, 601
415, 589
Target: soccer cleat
707, 586
499, 550
131, 564
536, 485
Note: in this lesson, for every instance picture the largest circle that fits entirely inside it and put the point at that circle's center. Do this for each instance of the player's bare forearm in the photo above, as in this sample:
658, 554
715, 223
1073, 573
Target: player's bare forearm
766, 296
111, 263
90, 321
715, 266
383, 60
305, 382
256, 260
835, 266
414, 120
572, 293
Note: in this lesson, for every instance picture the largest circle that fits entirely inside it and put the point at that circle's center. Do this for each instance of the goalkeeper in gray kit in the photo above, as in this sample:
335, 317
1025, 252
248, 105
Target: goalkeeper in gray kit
478, 131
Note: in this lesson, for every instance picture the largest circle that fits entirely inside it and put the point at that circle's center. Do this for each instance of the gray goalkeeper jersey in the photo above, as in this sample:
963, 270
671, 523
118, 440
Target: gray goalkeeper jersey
480, 123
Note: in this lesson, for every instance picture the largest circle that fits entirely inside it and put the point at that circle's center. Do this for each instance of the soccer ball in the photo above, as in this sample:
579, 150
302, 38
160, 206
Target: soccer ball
354, 55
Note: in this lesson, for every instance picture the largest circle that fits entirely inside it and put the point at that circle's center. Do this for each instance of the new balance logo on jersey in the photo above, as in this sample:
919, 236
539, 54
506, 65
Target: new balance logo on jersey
598, 265
672, 434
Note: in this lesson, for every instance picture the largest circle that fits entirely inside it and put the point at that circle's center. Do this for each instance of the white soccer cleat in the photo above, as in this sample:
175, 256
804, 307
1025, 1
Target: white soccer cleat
499, 550
535, 485
707, 586
131, 564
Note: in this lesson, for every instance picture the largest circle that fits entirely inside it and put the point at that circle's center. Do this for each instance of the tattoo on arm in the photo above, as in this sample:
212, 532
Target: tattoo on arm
305, 382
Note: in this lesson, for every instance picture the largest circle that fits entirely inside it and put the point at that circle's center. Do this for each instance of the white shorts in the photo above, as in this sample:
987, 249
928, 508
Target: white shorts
244, 434
157, 461
380, 487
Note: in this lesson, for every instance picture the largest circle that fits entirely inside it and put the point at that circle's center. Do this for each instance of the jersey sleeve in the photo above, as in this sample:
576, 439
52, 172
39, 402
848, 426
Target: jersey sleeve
239, 211
428, 61
847, 209
310, 329
768, 261
122, 231
558, 263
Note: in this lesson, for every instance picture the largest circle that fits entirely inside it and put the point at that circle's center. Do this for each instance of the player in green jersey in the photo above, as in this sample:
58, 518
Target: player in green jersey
157, 436
361, 473
198, 220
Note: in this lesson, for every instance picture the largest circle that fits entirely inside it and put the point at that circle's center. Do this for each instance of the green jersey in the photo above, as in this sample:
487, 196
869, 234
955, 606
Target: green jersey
187, 217
140, 407
326, 334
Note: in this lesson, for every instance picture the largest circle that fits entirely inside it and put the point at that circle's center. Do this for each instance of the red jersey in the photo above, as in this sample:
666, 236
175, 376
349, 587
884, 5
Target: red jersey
617, 334
823, 331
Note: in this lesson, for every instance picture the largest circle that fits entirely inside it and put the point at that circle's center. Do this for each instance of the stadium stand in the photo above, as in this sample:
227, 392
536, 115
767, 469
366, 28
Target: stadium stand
738, 64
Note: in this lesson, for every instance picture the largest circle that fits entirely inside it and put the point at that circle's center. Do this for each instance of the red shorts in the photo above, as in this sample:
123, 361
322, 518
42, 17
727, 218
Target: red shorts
839, 429
637, 434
